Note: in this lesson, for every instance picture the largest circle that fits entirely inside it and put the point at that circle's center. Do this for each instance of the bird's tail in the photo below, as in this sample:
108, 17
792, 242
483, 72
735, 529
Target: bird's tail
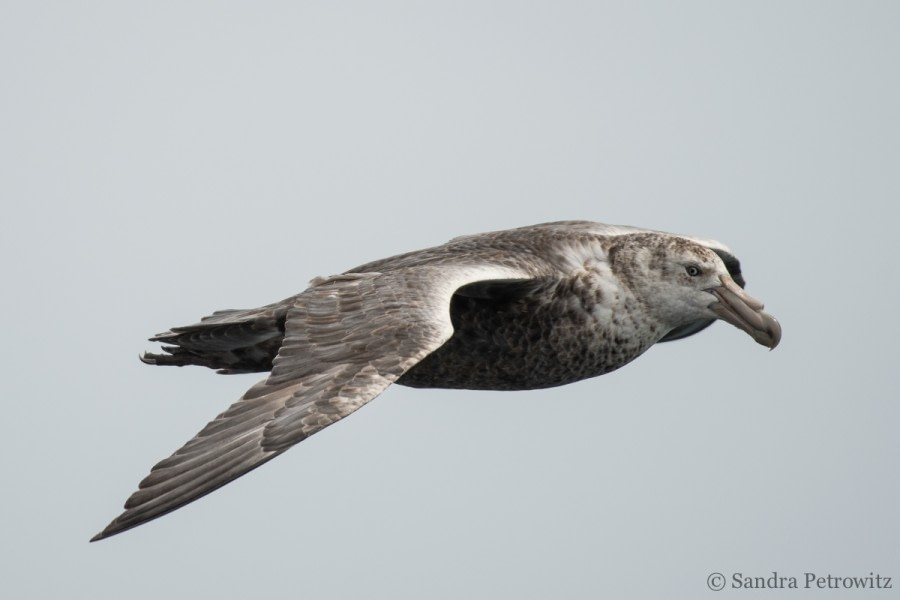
230, 341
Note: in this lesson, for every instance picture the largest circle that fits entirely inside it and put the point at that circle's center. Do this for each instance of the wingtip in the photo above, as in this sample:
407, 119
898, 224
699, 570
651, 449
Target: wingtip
102, 535
110, 530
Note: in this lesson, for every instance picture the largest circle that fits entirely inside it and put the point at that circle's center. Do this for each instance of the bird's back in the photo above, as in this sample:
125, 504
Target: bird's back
562, 325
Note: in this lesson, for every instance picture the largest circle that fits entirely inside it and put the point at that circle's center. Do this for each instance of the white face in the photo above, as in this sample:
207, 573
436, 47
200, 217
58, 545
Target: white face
680, 282
675, 278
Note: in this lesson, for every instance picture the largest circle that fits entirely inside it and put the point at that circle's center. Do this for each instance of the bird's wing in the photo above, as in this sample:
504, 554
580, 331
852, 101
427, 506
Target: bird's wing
679, 333
347, 338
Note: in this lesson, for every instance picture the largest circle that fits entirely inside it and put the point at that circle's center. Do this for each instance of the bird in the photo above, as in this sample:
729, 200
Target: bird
518, 309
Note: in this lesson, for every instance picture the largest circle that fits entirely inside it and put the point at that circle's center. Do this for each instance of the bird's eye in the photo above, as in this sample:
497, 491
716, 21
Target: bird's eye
693, 270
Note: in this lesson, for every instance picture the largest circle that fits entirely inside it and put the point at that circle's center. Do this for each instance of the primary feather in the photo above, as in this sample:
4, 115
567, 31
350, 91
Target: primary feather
525, 308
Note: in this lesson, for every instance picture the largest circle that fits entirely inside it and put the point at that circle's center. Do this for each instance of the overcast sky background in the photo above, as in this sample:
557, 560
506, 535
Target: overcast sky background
163, 160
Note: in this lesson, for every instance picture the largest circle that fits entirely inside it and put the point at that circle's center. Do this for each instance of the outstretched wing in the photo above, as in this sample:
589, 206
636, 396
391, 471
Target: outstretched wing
346, 339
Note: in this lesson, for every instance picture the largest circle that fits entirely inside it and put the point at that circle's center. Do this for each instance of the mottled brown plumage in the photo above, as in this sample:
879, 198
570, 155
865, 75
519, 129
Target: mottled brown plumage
526, 308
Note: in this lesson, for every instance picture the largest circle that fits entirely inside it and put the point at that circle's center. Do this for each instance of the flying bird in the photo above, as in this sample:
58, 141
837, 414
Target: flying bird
525, 308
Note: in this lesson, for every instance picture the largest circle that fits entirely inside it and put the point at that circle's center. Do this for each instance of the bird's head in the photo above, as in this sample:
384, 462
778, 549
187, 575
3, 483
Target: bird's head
686, 285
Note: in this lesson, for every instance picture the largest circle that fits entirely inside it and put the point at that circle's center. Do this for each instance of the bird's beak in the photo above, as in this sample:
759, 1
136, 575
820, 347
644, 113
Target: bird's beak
745, 312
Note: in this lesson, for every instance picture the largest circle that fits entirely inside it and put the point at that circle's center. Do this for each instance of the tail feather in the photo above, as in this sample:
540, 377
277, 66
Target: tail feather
230, 341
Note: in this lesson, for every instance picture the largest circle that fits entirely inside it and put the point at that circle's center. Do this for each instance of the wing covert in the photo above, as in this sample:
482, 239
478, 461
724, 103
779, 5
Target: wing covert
346, 339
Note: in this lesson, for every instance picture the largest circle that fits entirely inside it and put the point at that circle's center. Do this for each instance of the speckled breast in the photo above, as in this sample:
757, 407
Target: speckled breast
529, 342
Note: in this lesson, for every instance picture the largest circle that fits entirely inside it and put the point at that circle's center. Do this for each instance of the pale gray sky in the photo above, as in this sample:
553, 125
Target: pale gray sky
163, 160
